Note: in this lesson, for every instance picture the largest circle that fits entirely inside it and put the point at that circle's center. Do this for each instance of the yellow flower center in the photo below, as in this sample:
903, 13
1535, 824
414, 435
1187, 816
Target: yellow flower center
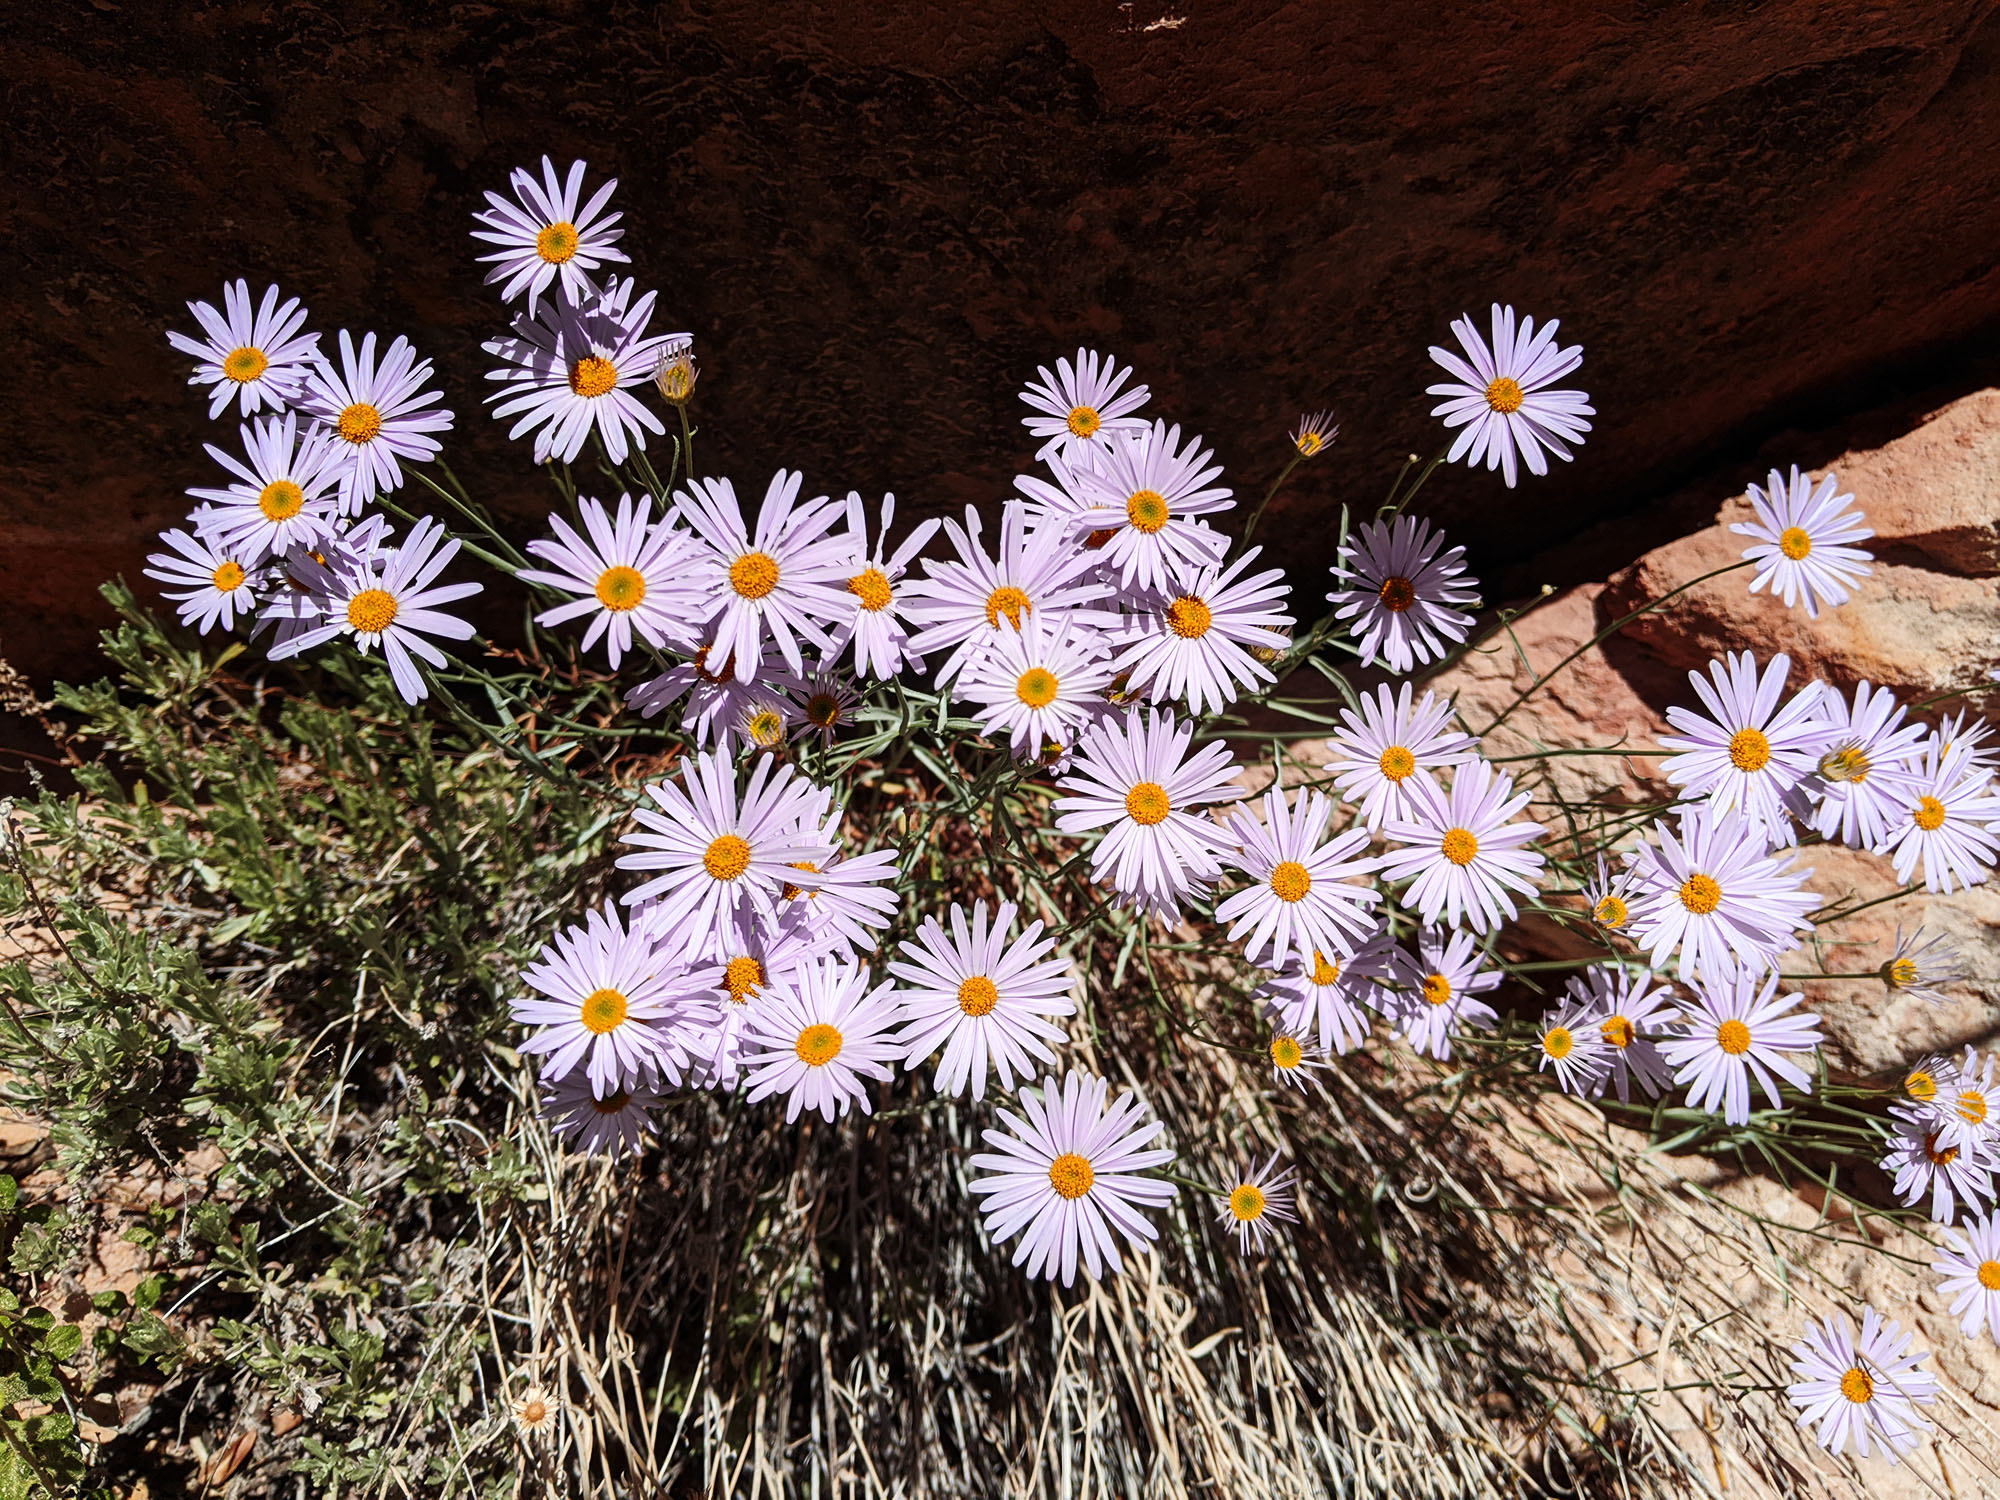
1286, 1052
1189, 617
871, 587
621, 588
1437, 989
793, 892
228, 577
1899, 973
1397, 763
1459, 846
1037, 687
359, 423
1009, 601
742, 977
1700, 894
753, 575
1848, 763
727, 858
593, 376
1084, 421
1291, 880
1147, 511
603, 1010
1147, 803
1617, 1031
818, 1045
371, 611
1972, 1106
1309, 443
1247, 1203
280, 500
1324, 971
726, 673
556, 243
1504, 394
1611, 911
1943, 1157
823, 709
1794, 543
245, 364
1398, 594
535, 1411
1733, 1037
1749, 750
1857, 1387
765, 727
1096, 541
1928, 814
611, 1103
978, 995
1921, 1085
1070, 1175
1989, 1275
1558, 1042
676, 379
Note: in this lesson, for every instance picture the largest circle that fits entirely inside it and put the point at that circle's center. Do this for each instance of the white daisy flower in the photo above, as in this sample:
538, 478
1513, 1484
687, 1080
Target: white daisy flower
395, 608
1397, 592
783, 583
630, 576
1388, 747
1968, 1269
1294, 1059
982, 998
843, 898
577, 366
1194, 643
1801, 534
1715, 892
1463, 848
817, 1035
613, 1004
1867, 774
748, 954
1609, 897
1439, 988
1080, 408
762, 721
1735, 1031
1315, 433
283, 495
1135, 779
1302, 898
1950, 1173
1067, 1175
254, 357
1146, 491
1967, 1110
1500, 398
721, 851
1945, 821
824, 702
1262, 1197
380, 412
1040, 685
1851, 1392
295, 601
1332, 992
1930, 1084
212, 585
543, 236
607, 1124
875, 623
535, 1412
1920, 968
1754, 749
1632, 1014
1969, 738
1571, 1041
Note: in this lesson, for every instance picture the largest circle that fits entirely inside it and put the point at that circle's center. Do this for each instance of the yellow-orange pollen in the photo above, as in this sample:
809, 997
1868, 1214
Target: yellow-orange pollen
766, 726
1504, 394
1617, 1031
593, 376
1857, 1387
1701, 894
1437, 989
1397, 763
1247, 1202
228, 577
1972, 1107
1291, 880
1848, 763
1558, 1042
602, 1011
359, 423
676, 378
1459, 846
753, 575
793, 892
1037, 687
871, 587
1941, 1156
244, 364
1398, 594
1611, 911
1749, 750
1921, 1085
1147, 511
725, 673
1286, 1052
1989, 1275
1309, 443
556, 243
620, 589
1794, 543
1189, 617
280, 500
1070, 1175
818, 1045
1084, 421
1928, 814
727, 857
1147, 803
371, 611
742, 977
1009, 601
1899, 973
978, 995
1733, 1037
1324, 971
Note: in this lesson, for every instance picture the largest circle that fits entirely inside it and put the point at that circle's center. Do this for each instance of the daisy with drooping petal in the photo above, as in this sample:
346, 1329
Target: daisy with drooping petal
1464, 849
1931, 1079
575, 367
1040, 685
1632, 1013
875, 622
211, 585
1801, 534
1397, 593
1134, 778
612, 1003
1570, 1040
1968, 1269
1196, 643
1146, 490
1754, 749
1315, 433
720, 851
1923, 1163
380, 414
395, 608
1851, 1392
283, 495
1500, 399
1946, 822
630, 576
1609, 897
1294, 1059
255, 358
1068, 1174
1389, 747
1081, 408
1966, 737
783, 583
1333, 992
984, 999
1867, 774
1262, 1197
817, 1035
607, 1124
1919, 968
1714, 891
762, 721
543, 237
1438, 990
1303, 898
1735, 1031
